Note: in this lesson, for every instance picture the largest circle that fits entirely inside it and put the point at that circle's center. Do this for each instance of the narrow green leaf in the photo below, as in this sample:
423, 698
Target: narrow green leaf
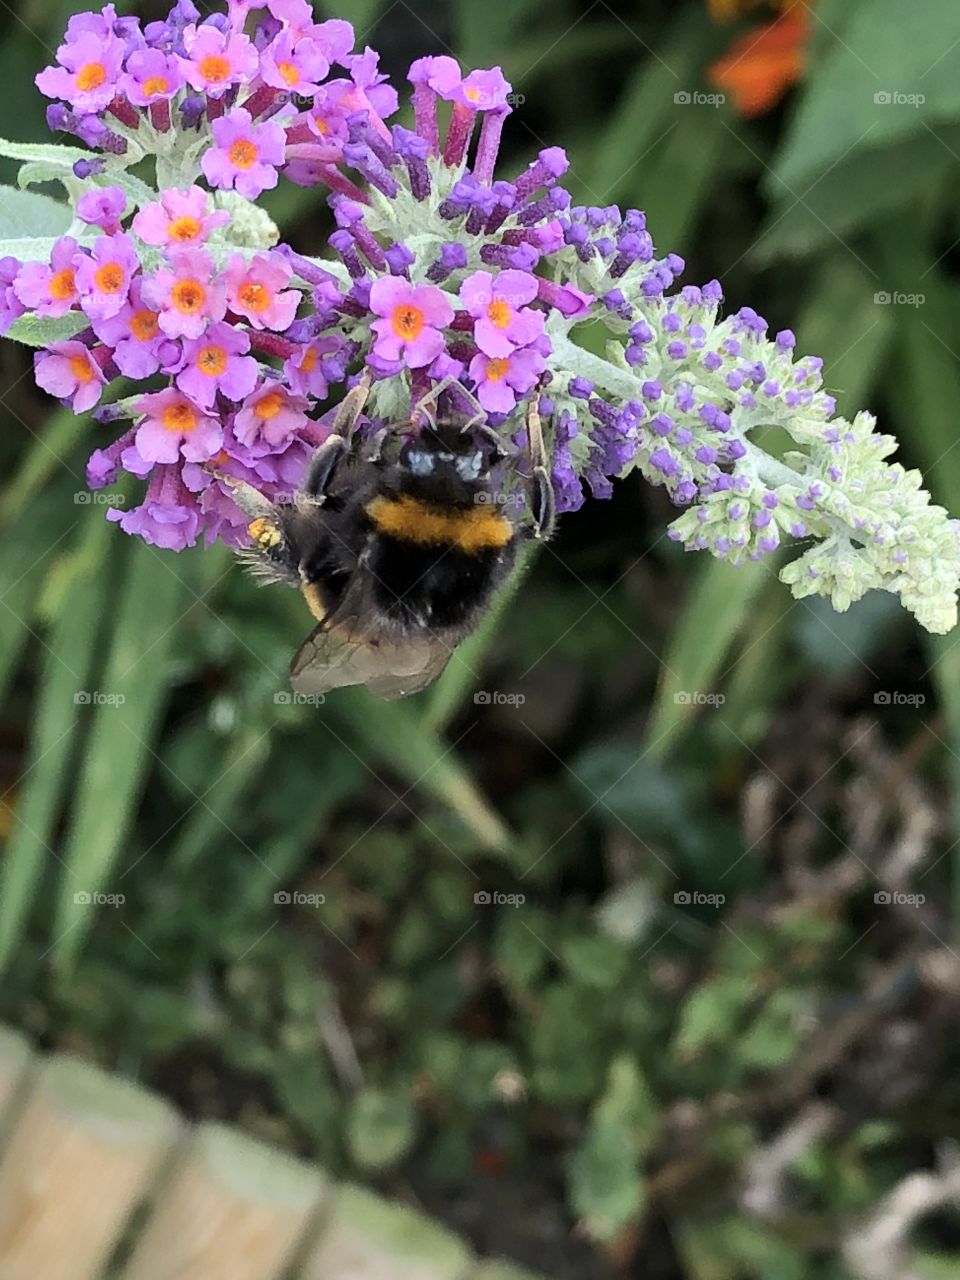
715, 611
47, 455
52, 152
119, 752
391, 735
28, 248
56, 732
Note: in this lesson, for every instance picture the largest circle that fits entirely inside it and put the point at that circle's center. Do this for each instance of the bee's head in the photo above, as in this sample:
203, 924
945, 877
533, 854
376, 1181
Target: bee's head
450, 457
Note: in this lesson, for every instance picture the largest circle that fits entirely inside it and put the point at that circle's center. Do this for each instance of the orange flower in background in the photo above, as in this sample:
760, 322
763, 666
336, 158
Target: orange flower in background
765, 61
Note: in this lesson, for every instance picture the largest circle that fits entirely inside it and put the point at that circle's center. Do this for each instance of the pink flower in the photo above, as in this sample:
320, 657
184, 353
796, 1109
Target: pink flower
256, 290
294, 65
499, 379
187, 296
169, 516
68, 371
11, 308
271, 415
304, 371
217, 60
102, 207
413, 316
496, 304
88, 71
103, 278
178, 218
140, 347
151, 76
246, 155
50, 290
218, 362
175, 426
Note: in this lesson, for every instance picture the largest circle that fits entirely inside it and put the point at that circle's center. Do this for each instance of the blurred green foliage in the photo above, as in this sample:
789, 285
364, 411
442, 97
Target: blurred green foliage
607, 1051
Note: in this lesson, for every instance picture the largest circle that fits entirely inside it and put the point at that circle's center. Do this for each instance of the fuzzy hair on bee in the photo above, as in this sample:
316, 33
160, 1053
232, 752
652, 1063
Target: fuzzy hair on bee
398, 549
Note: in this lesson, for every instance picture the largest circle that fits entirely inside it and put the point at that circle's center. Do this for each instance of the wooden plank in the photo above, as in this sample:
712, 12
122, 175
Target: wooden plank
81, 1156
233, 1209
367, 1238
15, 1060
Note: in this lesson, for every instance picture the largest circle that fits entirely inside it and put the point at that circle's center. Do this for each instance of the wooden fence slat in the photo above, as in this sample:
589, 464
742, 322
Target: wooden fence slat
82, 1154
233, 1209
15, 1058
367, 1238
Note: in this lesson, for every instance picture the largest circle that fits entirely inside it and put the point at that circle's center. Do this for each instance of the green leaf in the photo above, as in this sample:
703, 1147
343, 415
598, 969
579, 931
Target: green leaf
50, 152
381, 1126
68, 656
119, 751
29, 213
28, 248
866, 54
41, 331
717, 608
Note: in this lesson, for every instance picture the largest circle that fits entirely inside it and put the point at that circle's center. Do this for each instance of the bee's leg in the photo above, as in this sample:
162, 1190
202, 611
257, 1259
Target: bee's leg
542, 499
337, 443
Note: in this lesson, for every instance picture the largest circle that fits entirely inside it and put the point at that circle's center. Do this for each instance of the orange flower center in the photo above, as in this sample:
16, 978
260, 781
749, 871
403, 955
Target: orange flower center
153, 86
62, 285
215, 68
212, 361
184, 228
255, 297
288, 73
269, 406
472, 95
322, 127
243, 153
179, 417
407, 322
188, 296
91, 76
496, 369
80, 368
143, 325
498, 313
109, 278
309, 361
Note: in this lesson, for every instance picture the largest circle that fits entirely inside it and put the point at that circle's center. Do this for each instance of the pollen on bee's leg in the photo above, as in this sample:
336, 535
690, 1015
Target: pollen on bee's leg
265, 533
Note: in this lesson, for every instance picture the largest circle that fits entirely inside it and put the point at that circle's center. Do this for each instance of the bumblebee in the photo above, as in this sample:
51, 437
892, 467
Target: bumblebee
397, 557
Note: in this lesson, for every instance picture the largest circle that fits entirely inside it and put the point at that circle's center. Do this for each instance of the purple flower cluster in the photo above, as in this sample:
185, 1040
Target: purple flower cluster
439, 271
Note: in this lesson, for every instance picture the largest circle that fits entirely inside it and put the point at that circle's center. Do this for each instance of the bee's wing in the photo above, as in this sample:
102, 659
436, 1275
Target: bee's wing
343, 651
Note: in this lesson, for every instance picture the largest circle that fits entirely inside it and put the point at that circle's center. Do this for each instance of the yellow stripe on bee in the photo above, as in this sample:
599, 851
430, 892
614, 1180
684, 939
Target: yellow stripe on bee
264, 533
469, 529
